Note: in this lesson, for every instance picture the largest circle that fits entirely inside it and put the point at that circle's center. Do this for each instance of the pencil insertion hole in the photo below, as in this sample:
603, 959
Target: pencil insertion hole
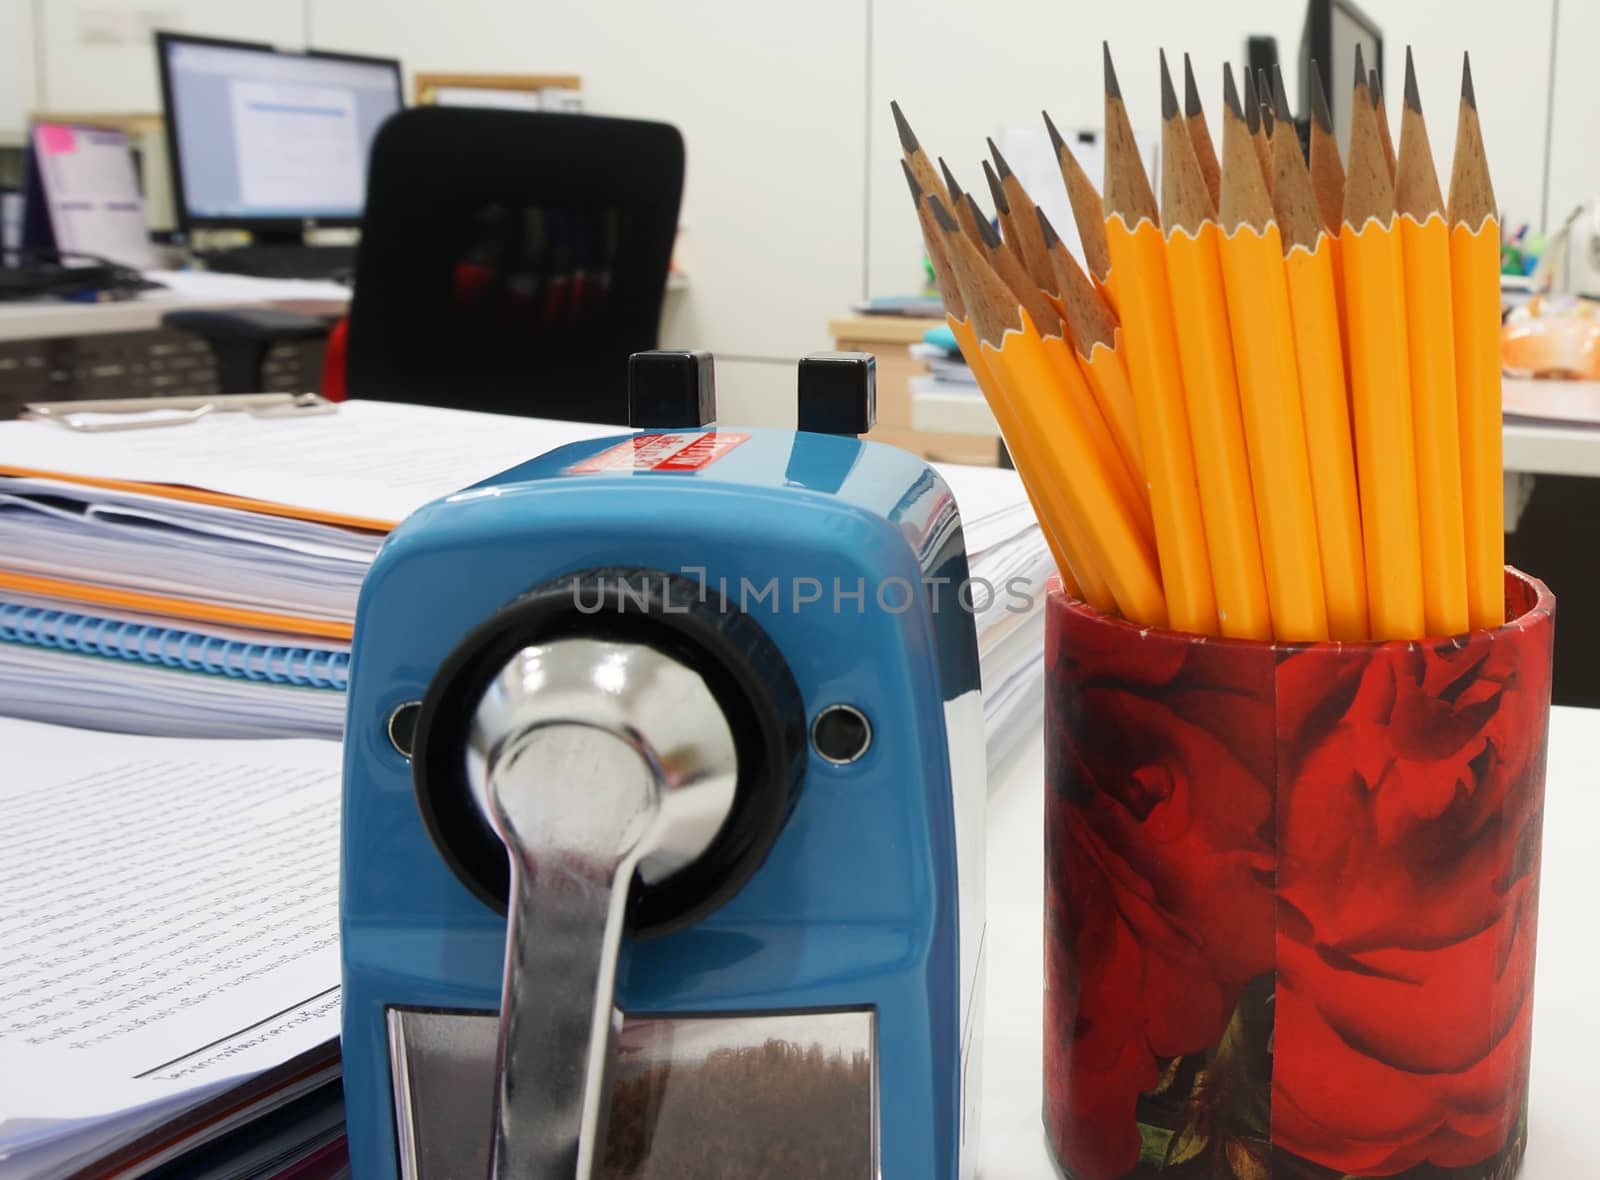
841, 734
403, 727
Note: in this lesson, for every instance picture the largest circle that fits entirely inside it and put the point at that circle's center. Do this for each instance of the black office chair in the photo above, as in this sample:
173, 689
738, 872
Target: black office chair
512, 261
241, 337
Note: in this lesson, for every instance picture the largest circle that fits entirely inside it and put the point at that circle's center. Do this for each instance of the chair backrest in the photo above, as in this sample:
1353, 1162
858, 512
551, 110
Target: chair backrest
511, 261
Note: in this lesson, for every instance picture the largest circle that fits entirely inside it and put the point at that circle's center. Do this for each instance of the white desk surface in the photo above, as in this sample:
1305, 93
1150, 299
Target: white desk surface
34, 320
1537, 448
1566, 1031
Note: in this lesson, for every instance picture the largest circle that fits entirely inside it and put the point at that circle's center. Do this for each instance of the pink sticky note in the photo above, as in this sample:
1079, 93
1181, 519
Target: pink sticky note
55, 139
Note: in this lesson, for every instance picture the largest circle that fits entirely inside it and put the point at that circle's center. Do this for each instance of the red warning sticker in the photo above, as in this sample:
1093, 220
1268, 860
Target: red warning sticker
661, 452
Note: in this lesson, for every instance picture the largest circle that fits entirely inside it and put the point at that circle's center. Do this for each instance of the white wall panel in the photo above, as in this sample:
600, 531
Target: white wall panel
99, 55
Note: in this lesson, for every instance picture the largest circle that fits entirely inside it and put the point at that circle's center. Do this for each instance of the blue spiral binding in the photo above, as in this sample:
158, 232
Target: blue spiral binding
171, 647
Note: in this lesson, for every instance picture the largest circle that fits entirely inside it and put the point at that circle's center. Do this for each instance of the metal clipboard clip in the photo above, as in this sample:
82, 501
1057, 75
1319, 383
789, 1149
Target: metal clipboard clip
144, 413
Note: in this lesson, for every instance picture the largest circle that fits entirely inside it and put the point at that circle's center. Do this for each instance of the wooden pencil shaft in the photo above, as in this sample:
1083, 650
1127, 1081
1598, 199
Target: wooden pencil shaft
1474, 244
1088, 212
1157, 384
1113, 540
1127, 187
1071, 475
1430, 346
1008, 266
1324, 400
1080, 402
1094, 333
1030, 239
1475, 303
1200, 135
1380, 379
1245, 197
1227, 504
915, 156
1430, 341
1080, 576
1274, 426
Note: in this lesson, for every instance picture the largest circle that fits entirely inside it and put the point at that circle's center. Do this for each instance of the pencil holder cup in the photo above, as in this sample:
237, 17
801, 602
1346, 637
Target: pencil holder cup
1291, 897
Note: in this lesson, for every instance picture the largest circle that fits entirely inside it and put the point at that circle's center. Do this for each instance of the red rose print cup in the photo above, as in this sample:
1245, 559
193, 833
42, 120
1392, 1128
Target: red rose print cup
1291, 896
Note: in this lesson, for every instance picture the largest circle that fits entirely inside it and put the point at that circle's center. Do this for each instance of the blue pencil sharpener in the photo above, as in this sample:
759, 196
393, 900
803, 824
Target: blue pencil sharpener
663, 814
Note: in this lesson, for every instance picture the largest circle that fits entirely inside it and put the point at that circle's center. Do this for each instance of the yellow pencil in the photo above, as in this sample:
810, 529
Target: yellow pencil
1327, 181
1475, 299
1073, 482
1205, 356
1138, 256
1380, 381
1069, 383
1095, 335
1313, 302
1078, 575
1269, 385
1430, 343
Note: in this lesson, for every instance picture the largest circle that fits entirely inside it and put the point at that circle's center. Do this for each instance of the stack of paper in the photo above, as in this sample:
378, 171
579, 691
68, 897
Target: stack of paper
181, 979
201, 579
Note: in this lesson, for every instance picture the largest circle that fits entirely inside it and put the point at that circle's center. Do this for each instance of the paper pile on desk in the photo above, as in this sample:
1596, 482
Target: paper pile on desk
169, 918
202, 579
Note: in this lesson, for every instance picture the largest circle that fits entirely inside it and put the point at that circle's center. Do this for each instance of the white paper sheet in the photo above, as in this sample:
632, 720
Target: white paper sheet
195, 937
371, 459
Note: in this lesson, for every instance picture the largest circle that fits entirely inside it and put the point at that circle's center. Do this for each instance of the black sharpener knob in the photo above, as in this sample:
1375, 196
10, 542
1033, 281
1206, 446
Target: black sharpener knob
671, 388
838, 393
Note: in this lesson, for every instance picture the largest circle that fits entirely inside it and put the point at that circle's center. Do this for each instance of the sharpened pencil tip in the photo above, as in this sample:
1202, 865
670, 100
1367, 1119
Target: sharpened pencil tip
1467, 93
1264, 88
999, 161
1375, 85
1319, 100
996, 189
950, 180
1280, 96
1252, 103
1056, 142
1112, 89
1230, 92
911, 179
908, 139
991, 240
1048, 230
1169, 96
1191, 92
1413, 99
1361, 68
941, 215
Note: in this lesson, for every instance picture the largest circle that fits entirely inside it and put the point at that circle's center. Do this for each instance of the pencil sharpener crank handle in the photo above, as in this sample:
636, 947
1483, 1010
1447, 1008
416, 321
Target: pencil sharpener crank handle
594, 761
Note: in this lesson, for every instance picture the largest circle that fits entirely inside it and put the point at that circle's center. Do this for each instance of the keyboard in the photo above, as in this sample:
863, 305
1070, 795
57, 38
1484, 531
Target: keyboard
283, 262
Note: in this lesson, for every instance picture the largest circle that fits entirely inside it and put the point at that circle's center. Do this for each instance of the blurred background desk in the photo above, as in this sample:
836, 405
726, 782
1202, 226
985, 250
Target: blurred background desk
58, 350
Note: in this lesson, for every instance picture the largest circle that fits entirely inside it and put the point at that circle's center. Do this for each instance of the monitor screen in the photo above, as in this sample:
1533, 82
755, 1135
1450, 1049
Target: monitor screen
262, 136
1333, 30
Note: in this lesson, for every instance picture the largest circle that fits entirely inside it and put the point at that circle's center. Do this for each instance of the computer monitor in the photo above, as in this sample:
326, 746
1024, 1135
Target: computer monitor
269, 141
1332, 31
